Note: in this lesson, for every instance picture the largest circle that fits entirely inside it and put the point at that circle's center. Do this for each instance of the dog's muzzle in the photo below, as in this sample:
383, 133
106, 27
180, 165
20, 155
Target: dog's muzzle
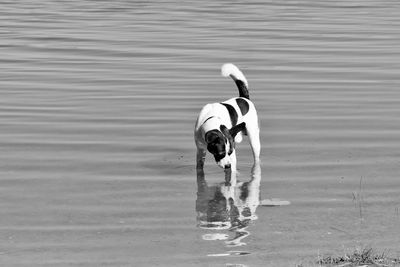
224, 163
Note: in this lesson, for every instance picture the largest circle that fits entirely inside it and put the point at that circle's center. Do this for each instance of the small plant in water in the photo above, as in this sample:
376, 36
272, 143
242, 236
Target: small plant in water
365, 257
359, 199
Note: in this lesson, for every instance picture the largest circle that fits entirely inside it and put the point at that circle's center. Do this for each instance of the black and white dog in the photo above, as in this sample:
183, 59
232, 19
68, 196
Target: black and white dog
220, 125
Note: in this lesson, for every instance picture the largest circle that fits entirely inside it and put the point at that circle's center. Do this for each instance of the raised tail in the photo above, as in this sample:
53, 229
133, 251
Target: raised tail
231, 70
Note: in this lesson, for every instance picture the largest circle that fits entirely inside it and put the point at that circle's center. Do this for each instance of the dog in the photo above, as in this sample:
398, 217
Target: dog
220, 126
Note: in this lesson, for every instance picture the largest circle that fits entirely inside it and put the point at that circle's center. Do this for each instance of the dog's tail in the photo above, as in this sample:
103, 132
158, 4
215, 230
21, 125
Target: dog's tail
231, 70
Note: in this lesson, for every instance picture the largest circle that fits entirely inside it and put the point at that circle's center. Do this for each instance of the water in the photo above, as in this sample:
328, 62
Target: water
97, 108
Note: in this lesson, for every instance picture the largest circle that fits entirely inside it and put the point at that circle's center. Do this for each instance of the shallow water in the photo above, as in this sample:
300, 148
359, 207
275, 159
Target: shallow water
97, 108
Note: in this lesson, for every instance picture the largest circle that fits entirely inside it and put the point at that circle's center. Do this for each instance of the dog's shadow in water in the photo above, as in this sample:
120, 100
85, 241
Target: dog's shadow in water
226, 207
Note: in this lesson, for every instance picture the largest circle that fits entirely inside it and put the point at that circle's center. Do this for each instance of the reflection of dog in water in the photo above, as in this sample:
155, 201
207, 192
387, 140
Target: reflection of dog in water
228, 207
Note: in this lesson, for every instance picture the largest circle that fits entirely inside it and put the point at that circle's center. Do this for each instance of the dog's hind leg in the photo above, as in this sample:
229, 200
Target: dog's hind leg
254, 137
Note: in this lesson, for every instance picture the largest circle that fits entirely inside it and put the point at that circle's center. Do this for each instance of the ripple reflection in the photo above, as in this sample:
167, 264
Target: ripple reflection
228, 210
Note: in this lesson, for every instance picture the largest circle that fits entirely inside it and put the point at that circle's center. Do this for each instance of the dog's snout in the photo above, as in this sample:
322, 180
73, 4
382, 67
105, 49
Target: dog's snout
227, 166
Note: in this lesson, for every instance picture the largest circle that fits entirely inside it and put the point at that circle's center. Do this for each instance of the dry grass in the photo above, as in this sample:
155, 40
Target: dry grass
365, 257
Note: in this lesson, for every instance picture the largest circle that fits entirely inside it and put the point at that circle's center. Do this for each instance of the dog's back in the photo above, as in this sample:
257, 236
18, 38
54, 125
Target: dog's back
235, 107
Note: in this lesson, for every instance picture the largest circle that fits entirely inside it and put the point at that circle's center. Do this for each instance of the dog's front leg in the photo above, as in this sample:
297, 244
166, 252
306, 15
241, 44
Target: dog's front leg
201, 181
200, 158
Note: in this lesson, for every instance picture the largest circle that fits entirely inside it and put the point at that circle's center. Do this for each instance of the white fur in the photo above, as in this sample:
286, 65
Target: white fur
229, 69
213, 115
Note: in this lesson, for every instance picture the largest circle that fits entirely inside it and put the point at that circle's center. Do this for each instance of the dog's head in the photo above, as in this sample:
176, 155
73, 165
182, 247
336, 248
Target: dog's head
221, 143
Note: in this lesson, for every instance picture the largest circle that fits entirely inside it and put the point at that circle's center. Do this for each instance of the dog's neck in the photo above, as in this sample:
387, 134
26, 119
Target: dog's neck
211, 123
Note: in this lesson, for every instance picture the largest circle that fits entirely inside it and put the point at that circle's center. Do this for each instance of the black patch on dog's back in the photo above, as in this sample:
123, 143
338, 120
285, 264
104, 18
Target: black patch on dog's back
232, 113
243, 105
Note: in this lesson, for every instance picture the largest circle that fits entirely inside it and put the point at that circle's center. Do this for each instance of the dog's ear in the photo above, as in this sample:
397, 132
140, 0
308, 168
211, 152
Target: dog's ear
224, 130
237, 128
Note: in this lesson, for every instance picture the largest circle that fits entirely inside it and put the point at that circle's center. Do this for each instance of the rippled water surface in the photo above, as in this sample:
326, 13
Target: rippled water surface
97, 106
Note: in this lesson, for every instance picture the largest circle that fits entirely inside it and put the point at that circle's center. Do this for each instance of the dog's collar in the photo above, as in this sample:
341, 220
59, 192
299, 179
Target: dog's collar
208, 119
210, 124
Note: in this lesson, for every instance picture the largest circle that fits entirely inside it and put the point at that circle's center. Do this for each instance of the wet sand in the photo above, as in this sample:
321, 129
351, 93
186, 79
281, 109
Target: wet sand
97, 109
